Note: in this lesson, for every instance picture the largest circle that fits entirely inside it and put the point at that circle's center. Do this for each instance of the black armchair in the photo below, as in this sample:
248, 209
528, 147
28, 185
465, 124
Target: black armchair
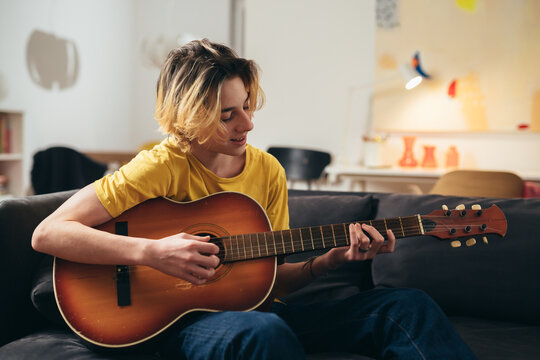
301, 164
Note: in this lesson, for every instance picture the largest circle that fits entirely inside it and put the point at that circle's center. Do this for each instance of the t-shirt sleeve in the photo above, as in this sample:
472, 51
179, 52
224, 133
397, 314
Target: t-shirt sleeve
145, 177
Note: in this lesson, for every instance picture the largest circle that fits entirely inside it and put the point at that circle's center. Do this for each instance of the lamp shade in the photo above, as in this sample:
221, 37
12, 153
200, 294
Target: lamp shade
411, 78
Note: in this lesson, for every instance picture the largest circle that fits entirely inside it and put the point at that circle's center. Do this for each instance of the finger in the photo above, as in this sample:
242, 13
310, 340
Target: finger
376, 236
200, 272
205, 247
210, 261
353, 236
194, 237
390, 244
364, 242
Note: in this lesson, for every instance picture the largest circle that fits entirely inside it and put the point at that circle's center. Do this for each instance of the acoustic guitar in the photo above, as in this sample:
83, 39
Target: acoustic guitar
118, 306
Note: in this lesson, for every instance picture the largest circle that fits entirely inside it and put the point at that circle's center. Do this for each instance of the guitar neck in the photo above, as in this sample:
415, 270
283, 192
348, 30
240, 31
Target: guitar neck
286, 242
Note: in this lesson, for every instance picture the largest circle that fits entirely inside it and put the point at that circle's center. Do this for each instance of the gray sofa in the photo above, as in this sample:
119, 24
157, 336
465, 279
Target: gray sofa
491, 292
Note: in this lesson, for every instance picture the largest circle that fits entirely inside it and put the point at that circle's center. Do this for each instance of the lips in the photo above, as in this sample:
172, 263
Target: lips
241, 141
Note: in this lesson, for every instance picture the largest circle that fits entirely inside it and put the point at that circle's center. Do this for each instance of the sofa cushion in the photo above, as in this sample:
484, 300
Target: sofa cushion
498, 280
60, 345
323, 210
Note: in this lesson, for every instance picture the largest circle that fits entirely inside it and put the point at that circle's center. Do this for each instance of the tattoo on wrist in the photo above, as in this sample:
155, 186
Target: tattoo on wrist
309, 264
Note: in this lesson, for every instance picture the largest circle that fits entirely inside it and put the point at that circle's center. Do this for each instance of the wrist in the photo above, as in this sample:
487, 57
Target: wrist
319, 265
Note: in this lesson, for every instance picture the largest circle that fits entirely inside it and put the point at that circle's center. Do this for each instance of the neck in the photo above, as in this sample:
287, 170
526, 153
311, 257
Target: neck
222, 165
285, 242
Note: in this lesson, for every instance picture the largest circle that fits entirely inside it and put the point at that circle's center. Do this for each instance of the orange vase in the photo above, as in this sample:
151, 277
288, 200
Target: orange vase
429, 157
408, 160
452, 157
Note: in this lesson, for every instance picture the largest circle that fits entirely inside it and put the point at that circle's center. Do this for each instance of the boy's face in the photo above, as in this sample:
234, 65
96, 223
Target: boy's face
236, 117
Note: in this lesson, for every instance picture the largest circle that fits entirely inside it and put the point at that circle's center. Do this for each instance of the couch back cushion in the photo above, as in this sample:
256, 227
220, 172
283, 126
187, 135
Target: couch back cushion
498, 280
314, 210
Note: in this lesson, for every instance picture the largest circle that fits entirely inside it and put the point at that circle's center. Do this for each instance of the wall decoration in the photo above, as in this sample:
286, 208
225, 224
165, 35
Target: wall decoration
467, 5
482, 57
51, 60
387, 14
154, 50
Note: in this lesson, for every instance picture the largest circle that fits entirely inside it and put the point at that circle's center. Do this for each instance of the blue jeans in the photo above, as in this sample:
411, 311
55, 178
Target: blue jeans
381, 323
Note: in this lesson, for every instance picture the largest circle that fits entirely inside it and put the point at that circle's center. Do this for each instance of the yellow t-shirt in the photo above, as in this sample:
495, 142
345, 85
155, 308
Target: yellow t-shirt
166, 171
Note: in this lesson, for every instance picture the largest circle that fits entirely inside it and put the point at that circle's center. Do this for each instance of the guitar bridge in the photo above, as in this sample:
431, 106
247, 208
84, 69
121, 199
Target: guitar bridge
123, 288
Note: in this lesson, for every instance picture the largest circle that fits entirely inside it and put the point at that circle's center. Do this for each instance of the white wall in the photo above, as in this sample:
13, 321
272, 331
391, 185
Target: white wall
111, 106
311, 53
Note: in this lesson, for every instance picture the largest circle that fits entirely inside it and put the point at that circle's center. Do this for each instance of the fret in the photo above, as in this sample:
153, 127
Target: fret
266, 245
322, 237
401, 223
296, 238
244, 247
420, 225
333, 235
380, 225
328, 234
237, 243
311, 235
292, 242
259, 244
345, 231
274, 241
385, 226
286, 236
305, 233
282, 241
394, 225
301, 239
340, 234
413, 226
251, 245
233, 249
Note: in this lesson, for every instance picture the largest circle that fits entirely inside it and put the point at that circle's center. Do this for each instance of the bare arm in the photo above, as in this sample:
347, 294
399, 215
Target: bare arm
291, 277
68, 233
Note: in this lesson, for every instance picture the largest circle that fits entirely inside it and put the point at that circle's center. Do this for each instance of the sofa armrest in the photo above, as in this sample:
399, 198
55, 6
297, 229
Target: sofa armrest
18, 263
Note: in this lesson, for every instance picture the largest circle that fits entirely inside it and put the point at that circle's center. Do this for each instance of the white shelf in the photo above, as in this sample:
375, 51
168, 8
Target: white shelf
11, 157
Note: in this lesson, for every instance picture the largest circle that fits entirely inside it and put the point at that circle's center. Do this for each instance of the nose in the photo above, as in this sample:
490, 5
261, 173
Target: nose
245, 122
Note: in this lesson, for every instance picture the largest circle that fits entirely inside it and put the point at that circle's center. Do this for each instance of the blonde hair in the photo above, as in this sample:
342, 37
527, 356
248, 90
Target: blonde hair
188, 104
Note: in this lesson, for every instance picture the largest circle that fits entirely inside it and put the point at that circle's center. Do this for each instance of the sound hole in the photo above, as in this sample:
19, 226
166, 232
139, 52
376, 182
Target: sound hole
222, 269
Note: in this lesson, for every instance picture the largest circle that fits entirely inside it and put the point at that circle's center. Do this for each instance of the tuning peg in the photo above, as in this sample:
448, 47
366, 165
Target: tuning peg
455, 243
471, 242
445, 207
460, 207
485, 239
476, 207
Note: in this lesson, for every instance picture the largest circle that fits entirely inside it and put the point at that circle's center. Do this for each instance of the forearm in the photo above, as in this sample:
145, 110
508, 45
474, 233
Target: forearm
77, 242
293, 276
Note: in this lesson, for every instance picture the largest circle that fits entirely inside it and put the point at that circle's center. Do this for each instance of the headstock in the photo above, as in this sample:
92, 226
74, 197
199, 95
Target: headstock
460, 223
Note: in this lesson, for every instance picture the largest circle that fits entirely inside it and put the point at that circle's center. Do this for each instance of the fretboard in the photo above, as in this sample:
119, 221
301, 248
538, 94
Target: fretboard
285, 242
